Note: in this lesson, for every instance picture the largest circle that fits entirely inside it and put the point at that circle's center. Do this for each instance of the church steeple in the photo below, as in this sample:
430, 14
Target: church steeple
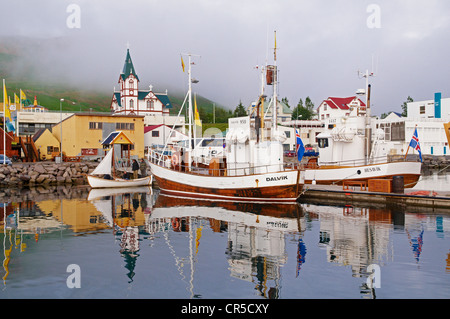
128, 67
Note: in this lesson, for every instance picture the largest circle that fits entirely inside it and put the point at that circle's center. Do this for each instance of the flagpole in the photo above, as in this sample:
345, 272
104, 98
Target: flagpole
18, 109
4, 123
409, 145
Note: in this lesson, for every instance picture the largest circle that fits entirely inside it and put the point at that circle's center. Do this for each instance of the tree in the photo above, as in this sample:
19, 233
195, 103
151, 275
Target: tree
305, 112
240, 110
309, 104
405, 106
286, 101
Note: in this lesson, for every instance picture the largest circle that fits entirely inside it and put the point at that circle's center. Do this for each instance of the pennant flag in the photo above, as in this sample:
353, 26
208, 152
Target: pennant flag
22, 95
275, 48
10, 127
275, 40
300, 147
7, 101
415, 143
182, 63
197, 116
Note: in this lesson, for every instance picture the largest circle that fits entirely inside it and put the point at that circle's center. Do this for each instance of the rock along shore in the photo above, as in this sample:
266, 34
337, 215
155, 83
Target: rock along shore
45, 173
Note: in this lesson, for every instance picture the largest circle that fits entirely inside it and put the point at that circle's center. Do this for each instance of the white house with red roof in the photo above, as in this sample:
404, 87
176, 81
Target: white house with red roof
157, 135
337, 107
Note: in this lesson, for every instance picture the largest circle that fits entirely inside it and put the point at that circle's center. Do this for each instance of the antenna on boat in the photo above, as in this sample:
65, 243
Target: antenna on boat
275, 80
368, 130
190, 113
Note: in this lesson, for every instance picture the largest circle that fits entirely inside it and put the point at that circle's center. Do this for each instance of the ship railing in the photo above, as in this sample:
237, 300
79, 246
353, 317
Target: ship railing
370, 161
241, 169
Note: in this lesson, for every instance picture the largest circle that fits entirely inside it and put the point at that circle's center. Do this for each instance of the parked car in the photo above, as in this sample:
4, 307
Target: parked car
5, 159
289, 153
310, 151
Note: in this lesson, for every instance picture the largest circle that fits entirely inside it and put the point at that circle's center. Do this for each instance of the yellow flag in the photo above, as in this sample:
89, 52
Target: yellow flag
275, 48
9, 123
6, 104
182, 63
22, 95
275, 40
7, 111
197, 116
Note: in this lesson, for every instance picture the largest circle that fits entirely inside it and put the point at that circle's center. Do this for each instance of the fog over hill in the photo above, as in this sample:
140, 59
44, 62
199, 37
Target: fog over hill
321, 45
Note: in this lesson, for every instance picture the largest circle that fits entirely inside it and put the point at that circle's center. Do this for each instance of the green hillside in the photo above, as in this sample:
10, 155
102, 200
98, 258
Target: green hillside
75, 99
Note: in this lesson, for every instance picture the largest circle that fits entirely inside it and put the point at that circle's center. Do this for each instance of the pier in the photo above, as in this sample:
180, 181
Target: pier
355, 195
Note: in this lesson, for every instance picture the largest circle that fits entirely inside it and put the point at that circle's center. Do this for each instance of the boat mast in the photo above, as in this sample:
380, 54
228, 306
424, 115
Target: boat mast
275, 80
367, 130
190, 113
190, 107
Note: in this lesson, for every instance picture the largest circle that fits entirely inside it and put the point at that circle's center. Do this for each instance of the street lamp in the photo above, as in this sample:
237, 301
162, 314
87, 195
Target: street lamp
60, 126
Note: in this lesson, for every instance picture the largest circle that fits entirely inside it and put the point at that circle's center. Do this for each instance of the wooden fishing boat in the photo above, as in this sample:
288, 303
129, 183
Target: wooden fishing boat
251, 169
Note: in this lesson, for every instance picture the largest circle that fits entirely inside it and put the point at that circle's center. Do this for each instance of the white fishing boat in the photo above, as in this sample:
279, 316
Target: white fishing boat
97, 178
349, 152
252, 168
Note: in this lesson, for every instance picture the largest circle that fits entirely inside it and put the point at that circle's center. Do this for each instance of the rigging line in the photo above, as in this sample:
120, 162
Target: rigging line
173, 127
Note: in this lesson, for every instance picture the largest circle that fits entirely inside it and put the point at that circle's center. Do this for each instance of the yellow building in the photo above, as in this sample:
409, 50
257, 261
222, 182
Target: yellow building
46, 143
82, 134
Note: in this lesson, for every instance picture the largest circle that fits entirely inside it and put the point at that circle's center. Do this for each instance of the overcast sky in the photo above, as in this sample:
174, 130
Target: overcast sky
322, 44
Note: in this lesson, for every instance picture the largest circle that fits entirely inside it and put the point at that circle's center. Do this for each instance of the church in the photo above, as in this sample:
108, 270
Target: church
129, 100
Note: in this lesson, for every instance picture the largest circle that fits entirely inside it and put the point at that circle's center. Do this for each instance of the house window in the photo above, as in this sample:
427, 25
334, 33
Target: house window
155, 133
288, 134
422, 109
125, 126
95, 125
323, 142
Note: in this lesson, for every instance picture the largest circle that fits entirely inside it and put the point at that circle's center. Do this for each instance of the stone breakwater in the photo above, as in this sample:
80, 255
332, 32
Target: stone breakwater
42, 173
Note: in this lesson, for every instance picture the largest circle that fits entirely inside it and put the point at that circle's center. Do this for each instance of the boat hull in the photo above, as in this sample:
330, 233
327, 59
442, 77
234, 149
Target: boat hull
97, 182
337, 175
277, 187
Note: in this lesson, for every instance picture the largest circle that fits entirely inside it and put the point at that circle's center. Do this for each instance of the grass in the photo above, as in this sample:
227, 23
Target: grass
76, 100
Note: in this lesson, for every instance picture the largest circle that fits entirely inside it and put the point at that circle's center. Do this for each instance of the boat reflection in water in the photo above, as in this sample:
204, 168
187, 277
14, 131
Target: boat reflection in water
256, 246
123, 209
168, 243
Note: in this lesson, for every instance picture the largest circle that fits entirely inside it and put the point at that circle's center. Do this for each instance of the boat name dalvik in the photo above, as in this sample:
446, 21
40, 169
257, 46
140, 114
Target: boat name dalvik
278, 178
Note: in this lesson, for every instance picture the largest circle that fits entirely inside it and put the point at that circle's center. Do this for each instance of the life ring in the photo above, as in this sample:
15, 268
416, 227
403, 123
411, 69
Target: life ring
175, 223
175, 159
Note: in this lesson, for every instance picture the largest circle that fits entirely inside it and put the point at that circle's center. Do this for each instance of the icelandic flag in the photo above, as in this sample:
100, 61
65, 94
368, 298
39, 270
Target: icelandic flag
415, 143
300, 147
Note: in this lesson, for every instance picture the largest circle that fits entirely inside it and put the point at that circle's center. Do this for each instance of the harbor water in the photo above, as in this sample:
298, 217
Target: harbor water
75, 243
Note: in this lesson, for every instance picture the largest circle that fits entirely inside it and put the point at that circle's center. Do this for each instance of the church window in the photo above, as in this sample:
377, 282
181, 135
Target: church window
150, 105
131, 103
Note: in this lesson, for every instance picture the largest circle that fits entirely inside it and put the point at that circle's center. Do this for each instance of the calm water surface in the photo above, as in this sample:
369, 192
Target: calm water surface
146, 245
